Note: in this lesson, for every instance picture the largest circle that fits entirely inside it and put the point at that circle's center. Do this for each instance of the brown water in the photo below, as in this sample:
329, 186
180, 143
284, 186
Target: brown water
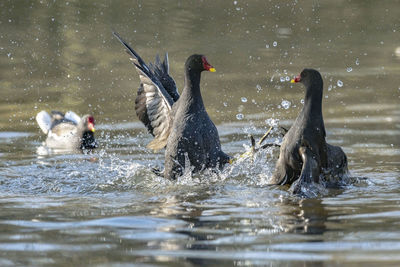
108, 209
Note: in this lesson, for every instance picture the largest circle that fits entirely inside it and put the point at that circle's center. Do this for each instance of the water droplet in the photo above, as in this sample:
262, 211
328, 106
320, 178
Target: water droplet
330, 87
267, 46
287, 78
244, 100
286, 104
239, 116
349, 69
339, 83
302, 101
235, 3
357, 62
282, 79
272, 122
258, 88
275, 43
225, 104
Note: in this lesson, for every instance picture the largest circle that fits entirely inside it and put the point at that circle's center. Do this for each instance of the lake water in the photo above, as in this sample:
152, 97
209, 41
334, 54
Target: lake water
109, 209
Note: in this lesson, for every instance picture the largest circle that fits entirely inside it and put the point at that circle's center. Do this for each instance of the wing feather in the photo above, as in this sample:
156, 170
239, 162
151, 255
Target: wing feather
72, 116
153, 103
44, 120
160, 69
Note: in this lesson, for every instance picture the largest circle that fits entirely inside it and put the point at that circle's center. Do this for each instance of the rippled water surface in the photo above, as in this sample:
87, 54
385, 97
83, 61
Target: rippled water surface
107, 208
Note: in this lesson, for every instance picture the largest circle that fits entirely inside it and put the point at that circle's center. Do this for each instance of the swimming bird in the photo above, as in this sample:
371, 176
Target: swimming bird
305, 155
67, 131
178, 122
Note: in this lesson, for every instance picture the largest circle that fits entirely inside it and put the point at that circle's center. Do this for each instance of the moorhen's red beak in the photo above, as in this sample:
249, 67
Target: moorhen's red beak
296, 80
207, 65
91, 127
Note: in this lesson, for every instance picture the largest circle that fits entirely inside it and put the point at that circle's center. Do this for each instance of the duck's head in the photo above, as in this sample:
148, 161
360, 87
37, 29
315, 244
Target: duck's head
88, 123
309, 77
199, 63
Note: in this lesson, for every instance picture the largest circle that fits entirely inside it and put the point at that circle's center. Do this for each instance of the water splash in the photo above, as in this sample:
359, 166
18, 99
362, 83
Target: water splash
272, 122
286, 104
239, 116
253, 170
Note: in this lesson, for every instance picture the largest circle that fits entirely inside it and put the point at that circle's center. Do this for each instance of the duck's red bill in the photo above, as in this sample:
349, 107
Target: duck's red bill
207, 65
91, 127
296, 79
91, 124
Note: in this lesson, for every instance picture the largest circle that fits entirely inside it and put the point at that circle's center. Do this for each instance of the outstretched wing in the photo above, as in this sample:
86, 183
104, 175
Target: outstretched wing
44, 120
153, 103
72, 116
161, 71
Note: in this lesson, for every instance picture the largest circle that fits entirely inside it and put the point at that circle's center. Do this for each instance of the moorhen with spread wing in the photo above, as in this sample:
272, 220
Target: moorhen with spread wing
179, 123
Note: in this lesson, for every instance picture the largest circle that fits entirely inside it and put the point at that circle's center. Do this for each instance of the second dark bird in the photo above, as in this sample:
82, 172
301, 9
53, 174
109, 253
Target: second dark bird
305, 155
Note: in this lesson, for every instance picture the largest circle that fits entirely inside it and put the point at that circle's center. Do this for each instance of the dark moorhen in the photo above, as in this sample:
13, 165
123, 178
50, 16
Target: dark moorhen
304, 153
67, 131
179, 123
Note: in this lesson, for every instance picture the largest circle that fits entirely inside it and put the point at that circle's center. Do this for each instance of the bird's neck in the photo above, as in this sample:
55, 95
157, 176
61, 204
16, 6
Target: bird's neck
312, 110
191, 91
313, 100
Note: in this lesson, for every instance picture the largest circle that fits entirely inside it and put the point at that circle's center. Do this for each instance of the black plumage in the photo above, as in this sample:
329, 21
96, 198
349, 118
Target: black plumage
304, 153
179, 123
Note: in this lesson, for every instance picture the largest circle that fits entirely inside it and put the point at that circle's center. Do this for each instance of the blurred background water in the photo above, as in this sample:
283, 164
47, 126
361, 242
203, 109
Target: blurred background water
109, 209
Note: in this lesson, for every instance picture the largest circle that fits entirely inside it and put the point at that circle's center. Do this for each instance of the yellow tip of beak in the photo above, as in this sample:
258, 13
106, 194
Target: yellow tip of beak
212, 70
93, 130
292, 81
